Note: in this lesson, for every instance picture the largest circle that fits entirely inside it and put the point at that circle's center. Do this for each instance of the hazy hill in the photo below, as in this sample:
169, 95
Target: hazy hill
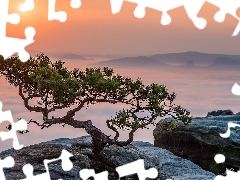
186, 60
224, 63
196, 57
133, 62
70, 56
189, 65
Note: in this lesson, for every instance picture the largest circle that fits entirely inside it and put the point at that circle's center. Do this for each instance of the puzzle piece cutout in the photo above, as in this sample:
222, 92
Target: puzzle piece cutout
60, 15
66, 165
28, 5
9, 45
87, 173
230, 175
18, 126
138, 168
236, 89
192, 9
227, 7
8, 162
220, 158
230, 125
75, 4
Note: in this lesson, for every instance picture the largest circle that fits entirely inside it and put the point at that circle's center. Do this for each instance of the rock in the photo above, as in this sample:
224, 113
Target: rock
220, 113
200, 141
175, 167
35, 154
168, 165
82, 159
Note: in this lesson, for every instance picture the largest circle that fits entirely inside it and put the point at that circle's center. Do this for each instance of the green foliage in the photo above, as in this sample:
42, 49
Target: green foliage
171, 125
59, 88
183, 114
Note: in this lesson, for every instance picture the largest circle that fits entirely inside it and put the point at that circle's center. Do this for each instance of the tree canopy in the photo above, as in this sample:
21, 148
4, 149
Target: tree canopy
56, 87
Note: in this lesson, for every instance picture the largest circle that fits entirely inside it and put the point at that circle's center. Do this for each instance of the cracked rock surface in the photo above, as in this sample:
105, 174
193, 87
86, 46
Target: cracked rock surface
168, 165
201, 141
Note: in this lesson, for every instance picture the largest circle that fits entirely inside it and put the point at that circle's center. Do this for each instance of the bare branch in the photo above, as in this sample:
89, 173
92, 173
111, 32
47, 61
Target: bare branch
26, 100
130, 138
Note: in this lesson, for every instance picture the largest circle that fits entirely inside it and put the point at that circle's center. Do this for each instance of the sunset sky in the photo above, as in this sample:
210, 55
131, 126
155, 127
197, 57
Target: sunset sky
93, 29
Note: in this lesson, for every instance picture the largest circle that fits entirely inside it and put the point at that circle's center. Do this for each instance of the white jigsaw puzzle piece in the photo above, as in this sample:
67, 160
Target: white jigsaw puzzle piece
192, 9
53, 15
236, 89
28, 5
28, 171
87, 173
230, 125
18, 126
8, 162
227, 7
8, 45
75, 4
230, 175
139, 12
220, 158
60, 15
138, 168
66, 166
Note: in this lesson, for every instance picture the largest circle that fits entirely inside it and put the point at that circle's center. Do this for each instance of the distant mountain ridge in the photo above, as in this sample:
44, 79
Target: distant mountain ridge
194, 60
196, 57
71, 56
140, 61
225, 61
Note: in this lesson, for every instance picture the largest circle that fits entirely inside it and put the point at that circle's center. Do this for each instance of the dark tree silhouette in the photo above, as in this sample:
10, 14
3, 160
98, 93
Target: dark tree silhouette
59, 88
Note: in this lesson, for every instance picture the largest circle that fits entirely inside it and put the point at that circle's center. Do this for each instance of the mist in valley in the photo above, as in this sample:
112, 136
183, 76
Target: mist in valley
201, 86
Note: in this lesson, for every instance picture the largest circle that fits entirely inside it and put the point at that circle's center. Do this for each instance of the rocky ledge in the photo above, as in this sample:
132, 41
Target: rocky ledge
201, 141
168, 165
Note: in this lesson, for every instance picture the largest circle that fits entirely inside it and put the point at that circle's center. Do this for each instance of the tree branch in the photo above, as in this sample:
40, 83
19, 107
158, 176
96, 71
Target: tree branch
25, 100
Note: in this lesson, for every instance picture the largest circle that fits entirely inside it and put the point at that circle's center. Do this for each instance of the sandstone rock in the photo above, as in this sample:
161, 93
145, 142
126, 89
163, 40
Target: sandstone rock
82, 159
35, 154
201, 141
168, 165
175, 167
